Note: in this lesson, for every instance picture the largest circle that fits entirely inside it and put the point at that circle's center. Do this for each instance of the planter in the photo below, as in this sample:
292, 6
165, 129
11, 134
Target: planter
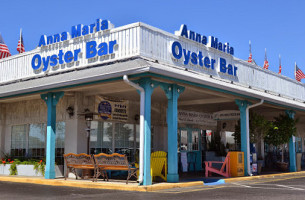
28, 170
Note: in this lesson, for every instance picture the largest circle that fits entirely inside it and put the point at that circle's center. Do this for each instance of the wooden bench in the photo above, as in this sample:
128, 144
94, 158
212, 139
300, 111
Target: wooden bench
80, 161
114, 161
224, 170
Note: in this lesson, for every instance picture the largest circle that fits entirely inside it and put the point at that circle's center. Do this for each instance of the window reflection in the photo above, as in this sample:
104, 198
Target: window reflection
18, 140
126, 138
195, 140
183, 146
37, 140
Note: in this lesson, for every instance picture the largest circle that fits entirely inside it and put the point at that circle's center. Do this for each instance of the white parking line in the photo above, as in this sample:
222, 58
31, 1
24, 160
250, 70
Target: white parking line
242, 185
293, 188
261, 186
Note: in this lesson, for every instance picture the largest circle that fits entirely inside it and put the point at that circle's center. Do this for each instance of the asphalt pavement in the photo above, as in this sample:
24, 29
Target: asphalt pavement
284, 187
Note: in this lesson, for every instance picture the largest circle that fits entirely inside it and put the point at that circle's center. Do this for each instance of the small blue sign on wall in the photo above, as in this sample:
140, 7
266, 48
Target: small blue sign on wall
105, 110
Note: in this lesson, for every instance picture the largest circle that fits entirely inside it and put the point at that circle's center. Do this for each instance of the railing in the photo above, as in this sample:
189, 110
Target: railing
18, 67
139, 39
156, 45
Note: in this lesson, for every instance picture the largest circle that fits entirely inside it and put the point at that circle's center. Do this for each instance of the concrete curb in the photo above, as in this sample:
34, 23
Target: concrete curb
125, 187
247, 178
98, 185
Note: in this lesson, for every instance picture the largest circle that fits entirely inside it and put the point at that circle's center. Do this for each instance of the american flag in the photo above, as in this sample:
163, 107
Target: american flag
280, 67
4, 52
298, 73
250, 60
20, 46
266, 63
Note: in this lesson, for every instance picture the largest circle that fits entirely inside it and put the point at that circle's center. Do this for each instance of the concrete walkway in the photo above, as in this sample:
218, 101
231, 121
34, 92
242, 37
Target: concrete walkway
132, 186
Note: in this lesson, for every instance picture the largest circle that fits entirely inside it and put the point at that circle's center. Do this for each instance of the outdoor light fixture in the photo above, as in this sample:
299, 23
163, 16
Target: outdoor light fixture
70, 111
136, 117
88, 117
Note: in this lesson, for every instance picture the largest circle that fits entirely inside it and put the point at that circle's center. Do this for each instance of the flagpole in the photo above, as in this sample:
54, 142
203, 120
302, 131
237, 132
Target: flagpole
280, 67
250, 46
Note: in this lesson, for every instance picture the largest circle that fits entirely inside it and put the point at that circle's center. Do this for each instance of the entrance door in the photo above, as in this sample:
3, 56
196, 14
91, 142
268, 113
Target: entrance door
189, 140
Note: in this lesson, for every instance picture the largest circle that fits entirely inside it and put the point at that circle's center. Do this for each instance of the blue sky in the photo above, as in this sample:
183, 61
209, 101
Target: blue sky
275, 25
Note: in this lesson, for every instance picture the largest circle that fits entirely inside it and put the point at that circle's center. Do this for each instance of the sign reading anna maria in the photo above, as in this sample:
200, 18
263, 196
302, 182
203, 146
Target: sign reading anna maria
76, 31
202, 39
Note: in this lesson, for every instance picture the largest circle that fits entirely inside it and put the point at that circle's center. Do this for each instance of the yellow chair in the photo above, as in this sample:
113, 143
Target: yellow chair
158, 164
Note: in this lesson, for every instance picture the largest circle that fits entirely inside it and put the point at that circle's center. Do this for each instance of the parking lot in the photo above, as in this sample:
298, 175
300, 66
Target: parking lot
279, 187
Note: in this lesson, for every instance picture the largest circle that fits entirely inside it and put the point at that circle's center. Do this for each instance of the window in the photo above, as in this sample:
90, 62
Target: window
184, 142
124, 139
108, 137
60, 143
101, 137
29, 141
195, 140
37, 141
18, 141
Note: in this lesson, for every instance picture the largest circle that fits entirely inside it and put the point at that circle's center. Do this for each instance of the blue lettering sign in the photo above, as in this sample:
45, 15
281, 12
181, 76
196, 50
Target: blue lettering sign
207, 62
90, 49
36, 62
222, 63
64, 36
42, 41
76, 31
102, 49
176, 46
68, 56
53, 60
194, 58
202, 39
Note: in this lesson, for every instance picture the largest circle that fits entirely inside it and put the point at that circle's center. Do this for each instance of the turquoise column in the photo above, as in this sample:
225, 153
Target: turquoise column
243, 104
172, 92
148, 85
51, 100
292, 156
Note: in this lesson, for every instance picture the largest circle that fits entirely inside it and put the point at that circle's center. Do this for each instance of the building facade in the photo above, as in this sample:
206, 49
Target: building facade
191, 85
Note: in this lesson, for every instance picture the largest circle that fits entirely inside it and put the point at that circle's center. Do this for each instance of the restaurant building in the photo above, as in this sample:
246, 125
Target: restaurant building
185, 83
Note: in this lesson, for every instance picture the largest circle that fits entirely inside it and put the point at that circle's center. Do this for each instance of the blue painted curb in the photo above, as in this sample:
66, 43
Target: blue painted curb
214, 182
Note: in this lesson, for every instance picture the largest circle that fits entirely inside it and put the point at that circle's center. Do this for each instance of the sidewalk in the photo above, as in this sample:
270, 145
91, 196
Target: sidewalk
133, 186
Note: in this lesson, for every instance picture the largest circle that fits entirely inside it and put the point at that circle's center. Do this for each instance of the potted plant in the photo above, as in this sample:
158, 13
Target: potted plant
258, 126
282, 129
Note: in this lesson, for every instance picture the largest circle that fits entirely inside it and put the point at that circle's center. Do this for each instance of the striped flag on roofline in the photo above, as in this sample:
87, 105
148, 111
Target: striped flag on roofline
298, 73
20, 46
4, 51
266, 63
250, 60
